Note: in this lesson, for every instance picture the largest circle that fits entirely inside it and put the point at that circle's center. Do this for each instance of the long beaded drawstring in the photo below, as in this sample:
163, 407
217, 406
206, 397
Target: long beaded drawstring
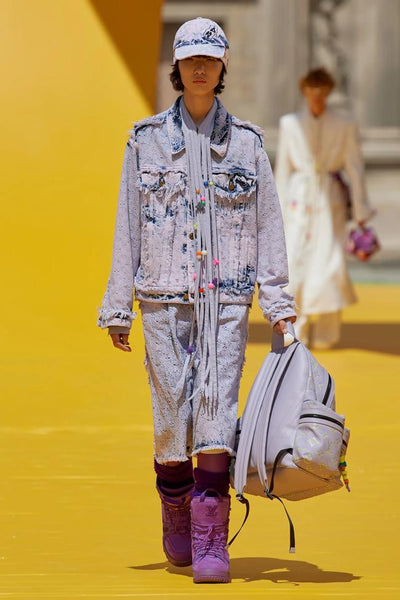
206, 277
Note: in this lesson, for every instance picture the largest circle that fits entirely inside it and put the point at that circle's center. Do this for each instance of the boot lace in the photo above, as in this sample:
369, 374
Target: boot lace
176, 519
209, 541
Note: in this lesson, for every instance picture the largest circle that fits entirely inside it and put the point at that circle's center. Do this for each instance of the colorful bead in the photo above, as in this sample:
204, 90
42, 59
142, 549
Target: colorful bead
215, 261
199, 255
215, 282
210, 183
343, 472
201, 290
211, 286
190, 349
202, 199
197, 191
205, 183
194, 276
195, 226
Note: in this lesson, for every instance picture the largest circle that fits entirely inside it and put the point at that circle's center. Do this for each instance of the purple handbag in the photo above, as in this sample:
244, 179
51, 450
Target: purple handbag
363, 243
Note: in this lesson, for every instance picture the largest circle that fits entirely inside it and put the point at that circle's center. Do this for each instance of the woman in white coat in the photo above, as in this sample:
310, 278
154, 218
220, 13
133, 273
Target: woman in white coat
315, 145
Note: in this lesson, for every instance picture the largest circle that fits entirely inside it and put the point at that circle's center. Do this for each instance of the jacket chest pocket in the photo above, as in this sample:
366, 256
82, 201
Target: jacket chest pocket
235, 184
235, 196
162, 192
236, 215
164, 217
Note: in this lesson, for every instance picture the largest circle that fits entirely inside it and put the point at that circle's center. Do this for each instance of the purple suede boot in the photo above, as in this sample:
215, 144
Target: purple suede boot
175, 512
210, 522
175, 486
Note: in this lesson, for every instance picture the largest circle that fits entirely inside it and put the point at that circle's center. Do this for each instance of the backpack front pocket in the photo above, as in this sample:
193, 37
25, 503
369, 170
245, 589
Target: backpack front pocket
318, 441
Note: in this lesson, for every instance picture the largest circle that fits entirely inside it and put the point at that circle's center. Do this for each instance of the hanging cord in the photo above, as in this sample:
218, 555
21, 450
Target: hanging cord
206, 288
244, 501
271, 496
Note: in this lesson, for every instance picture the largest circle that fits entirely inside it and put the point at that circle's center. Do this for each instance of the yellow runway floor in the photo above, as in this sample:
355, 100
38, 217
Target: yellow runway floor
79, 517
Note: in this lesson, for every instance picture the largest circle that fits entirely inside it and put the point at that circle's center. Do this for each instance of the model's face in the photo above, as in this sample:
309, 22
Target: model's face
200, 74
316, 99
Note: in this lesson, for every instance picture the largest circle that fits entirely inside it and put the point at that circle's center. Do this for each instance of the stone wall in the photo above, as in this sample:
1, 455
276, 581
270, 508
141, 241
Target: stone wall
273, 42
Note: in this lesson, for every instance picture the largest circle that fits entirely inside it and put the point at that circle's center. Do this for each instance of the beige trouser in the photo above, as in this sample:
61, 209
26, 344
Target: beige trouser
319, 331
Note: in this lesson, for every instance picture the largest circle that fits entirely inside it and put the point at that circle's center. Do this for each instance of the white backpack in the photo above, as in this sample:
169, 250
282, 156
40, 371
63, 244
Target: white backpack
290, 441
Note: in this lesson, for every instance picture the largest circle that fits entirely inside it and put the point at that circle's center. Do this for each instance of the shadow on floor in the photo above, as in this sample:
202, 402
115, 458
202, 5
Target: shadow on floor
266, 569
374, 337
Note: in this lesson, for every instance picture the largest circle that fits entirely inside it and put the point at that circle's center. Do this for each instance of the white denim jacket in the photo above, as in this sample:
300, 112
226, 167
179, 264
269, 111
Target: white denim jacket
154, 249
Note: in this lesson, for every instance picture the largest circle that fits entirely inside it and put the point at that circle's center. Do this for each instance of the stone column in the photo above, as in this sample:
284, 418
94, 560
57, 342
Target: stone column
373, 47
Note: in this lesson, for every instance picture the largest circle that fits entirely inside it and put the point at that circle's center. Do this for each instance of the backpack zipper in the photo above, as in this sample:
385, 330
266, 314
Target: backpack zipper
328, 389
323, 417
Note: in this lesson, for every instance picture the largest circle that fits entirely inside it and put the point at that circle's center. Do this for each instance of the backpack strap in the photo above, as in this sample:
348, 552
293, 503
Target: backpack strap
271, 496
243, 500
250, 418
277, 460
248, 425
261, 438
292, 547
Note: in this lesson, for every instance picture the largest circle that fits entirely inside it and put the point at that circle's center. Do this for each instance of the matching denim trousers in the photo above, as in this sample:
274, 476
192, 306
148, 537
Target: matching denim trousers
184, 424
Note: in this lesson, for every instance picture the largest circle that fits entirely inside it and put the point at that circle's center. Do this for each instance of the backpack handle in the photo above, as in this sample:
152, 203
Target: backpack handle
280, 341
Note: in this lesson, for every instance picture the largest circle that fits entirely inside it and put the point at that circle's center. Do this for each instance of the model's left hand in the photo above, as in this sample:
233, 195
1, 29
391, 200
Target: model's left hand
281, 326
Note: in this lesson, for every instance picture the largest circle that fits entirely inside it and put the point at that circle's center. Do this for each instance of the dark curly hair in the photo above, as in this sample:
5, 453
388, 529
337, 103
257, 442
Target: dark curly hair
175, 79
319, 77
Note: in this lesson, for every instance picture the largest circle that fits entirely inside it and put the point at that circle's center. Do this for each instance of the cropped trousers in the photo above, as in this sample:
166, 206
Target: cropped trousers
184, 423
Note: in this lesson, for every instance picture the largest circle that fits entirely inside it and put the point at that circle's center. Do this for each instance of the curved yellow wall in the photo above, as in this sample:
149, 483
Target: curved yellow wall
68, 98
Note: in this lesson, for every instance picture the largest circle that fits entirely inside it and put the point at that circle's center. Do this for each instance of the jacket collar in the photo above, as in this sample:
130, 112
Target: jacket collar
219, 137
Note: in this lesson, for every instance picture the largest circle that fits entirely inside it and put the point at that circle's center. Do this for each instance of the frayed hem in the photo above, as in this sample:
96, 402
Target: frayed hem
166, 460
211, 448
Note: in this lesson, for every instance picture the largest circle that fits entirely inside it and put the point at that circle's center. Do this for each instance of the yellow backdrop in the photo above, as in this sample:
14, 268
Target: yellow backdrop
67, 101
75, 75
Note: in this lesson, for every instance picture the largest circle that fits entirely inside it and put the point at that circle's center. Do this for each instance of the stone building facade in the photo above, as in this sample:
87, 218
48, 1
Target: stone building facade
273, 42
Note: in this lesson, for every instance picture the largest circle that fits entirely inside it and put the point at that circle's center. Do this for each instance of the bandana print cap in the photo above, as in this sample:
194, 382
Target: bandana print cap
201, 37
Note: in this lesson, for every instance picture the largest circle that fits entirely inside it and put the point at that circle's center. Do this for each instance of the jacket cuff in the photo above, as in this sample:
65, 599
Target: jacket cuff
118, 329
117, 318
283, 318
279, 314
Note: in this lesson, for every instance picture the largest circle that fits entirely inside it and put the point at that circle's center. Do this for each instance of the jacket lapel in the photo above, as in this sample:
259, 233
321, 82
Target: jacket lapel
222, 130
219, 137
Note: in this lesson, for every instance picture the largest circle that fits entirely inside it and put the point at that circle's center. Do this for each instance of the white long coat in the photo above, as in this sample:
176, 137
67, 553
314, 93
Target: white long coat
309, 151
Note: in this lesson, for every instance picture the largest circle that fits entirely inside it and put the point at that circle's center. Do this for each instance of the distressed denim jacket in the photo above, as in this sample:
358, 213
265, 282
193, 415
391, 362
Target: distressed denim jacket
154, 244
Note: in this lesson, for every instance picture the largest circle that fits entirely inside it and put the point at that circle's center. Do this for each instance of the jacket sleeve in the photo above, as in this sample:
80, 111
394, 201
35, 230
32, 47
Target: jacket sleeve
283, 165
354, 167
116, 308
272, 268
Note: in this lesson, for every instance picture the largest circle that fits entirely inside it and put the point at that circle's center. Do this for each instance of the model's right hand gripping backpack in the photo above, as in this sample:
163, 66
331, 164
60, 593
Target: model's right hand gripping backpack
290, 441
